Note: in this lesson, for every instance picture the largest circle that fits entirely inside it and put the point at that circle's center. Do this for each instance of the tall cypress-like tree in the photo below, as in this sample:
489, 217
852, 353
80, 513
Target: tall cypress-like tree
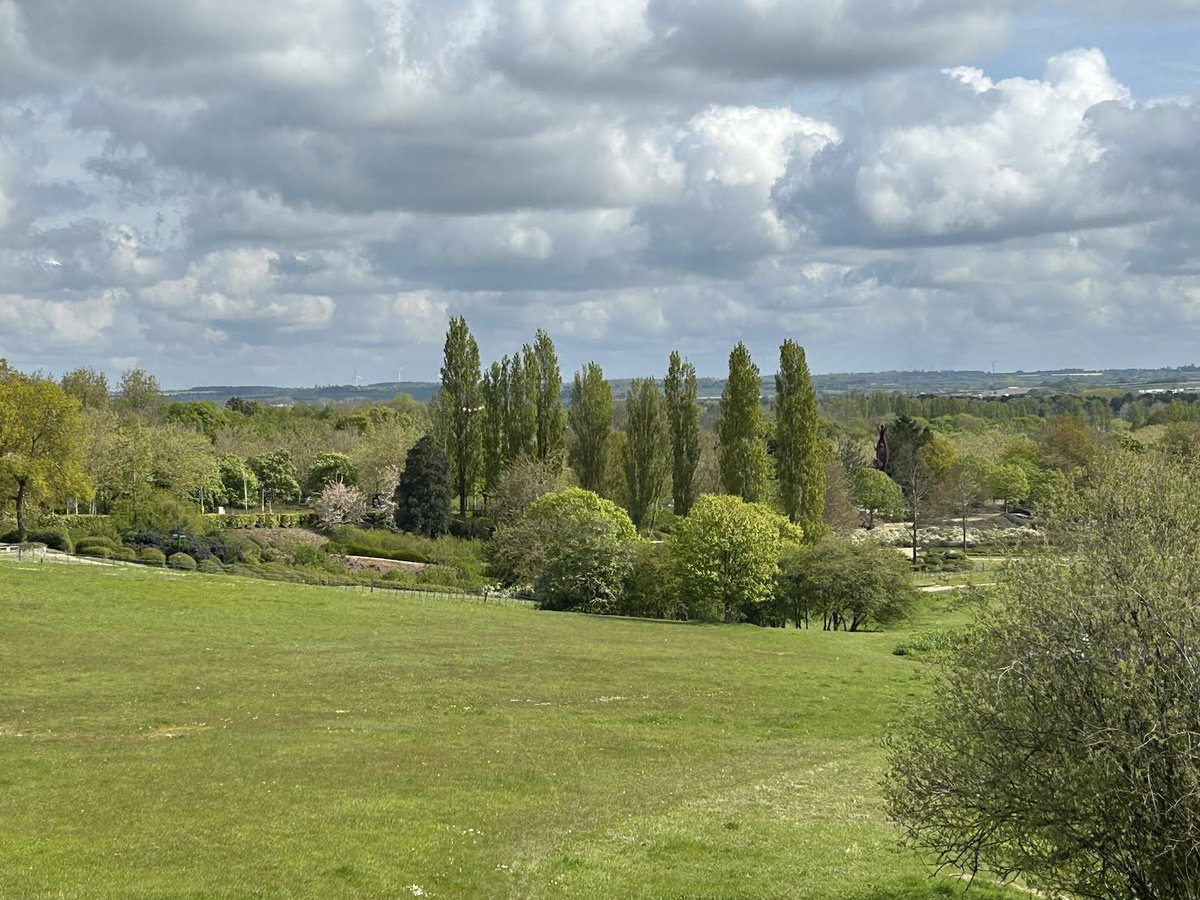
799, 463
683, 420
551, 420
590, 418
458, 409
493, 394
645, 454
742, 455
520, 425
423, 495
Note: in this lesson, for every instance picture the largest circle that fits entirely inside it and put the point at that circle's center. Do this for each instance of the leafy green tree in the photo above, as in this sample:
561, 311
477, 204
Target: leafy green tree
1008, 482
645, 457
520, 408
204, 416
185, 464
726, 553
276, 477
329, 468
138, 392
849, 584
799, 457
590, 417
41, 452
612, 484
423, 495
651, 590
1067, 444
542, 367
743, 459
238, 483
494, 392
905, 436
966, 485
87, 386
683, 419
875, 492
459, 407
573, 547
1059, 743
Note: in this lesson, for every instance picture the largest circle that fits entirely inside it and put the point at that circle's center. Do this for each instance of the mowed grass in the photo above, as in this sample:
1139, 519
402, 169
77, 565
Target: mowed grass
167, 735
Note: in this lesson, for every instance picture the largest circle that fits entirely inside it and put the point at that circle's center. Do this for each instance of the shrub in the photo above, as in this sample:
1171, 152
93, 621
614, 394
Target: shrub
210, 566
181, 561
650, 589
152, 556
129, 554
94, 541
96, 550
54, 537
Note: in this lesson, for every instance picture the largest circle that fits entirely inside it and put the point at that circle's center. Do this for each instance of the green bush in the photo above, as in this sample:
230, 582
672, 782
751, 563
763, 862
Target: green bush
54, 537
262, 520
181, 561
462, 555
211, 565
93, 541
129, 554
97, 550
153, 556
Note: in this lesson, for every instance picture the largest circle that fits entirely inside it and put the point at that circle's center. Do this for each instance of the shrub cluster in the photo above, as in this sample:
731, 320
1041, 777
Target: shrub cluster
262, 520
54, 537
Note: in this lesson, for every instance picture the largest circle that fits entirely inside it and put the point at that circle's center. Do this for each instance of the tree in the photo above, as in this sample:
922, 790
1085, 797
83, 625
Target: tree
904, 433
542, 367
184, 462
87, 386
329, 468
743, 459
573, 547
590, 418
458, 408
966, 485
799, 461
1008, 482
205, 417
340, 504
238, 483
276, 477
525, 479
1060, 741
875, 492
520, 408
645, 456
494, 394
41, 454
683, 421
849, 584
1067, 444
726, 553
913, 474
423, 495
138, 392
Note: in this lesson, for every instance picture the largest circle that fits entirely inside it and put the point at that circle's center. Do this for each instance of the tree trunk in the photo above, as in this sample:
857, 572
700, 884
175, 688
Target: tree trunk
22, 534
964, 531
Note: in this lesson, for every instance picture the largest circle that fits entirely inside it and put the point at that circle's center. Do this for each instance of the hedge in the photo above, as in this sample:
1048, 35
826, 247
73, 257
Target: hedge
153, 556
263, 520
181, 561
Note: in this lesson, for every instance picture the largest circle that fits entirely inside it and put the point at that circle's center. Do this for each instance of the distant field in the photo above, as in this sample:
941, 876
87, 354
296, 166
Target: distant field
203, 736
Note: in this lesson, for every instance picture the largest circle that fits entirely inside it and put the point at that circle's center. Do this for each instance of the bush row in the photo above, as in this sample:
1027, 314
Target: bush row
262, 520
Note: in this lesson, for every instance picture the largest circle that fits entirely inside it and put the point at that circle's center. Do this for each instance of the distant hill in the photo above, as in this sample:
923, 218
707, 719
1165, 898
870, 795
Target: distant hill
914, 382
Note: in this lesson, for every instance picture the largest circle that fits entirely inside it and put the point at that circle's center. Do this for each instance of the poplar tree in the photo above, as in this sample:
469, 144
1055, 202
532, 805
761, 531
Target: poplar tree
645, 455
458, 409
590, 417
683, 421
742, 455
520, 418
551, 420
798, 458
493, 390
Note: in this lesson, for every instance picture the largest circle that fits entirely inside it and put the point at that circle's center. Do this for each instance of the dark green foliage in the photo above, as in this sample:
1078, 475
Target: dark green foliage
590, 418
846, 584
423, 495
521, 405
493, 392
744, 464
542, 370
645, 456
683, 420
799, 450
56, 538
905, 437
152, 556
276, 473
650, 589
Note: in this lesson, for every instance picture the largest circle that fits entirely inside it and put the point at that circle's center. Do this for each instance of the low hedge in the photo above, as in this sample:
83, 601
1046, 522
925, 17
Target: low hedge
153, 556
181, 561
55, 537
263, 520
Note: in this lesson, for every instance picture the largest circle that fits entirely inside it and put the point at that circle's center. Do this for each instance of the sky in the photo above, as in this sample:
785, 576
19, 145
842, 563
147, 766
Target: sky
292, 191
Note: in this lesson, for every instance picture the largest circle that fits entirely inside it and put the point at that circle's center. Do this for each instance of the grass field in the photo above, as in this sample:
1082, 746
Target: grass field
168, 735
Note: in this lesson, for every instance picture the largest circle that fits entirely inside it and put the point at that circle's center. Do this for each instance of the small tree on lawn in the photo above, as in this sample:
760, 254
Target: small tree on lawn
848, 584
423, 495
875, 492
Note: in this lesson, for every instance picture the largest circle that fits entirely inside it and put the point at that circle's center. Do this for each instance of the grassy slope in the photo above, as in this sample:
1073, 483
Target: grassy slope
209, 736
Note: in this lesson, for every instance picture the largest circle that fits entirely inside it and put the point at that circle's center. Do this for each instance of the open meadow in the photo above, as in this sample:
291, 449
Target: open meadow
208, 736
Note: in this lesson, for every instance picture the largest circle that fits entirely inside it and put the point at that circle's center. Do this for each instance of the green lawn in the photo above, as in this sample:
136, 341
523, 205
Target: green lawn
169, 735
